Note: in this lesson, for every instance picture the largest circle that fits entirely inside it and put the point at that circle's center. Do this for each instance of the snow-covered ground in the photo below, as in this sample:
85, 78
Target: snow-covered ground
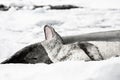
95, 70
22, 26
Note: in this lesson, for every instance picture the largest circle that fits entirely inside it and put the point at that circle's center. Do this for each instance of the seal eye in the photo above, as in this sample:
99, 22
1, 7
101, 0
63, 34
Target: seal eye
117, 55
34, 58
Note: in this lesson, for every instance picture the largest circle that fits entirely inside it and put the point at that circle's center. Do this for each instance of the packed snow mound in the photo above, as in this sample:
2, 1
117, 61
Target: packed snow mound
69, 70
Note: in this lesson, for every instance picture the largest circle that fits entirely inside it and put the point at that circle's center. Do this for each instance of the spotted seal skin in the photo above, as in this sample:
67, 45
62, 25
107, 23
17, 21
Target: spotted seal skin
34, 53
91, 50
58, 51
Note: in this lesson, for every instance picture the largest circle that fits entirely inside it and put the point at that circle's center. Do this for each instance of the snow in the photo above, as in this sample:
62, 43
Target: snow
19, 28
77, 70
